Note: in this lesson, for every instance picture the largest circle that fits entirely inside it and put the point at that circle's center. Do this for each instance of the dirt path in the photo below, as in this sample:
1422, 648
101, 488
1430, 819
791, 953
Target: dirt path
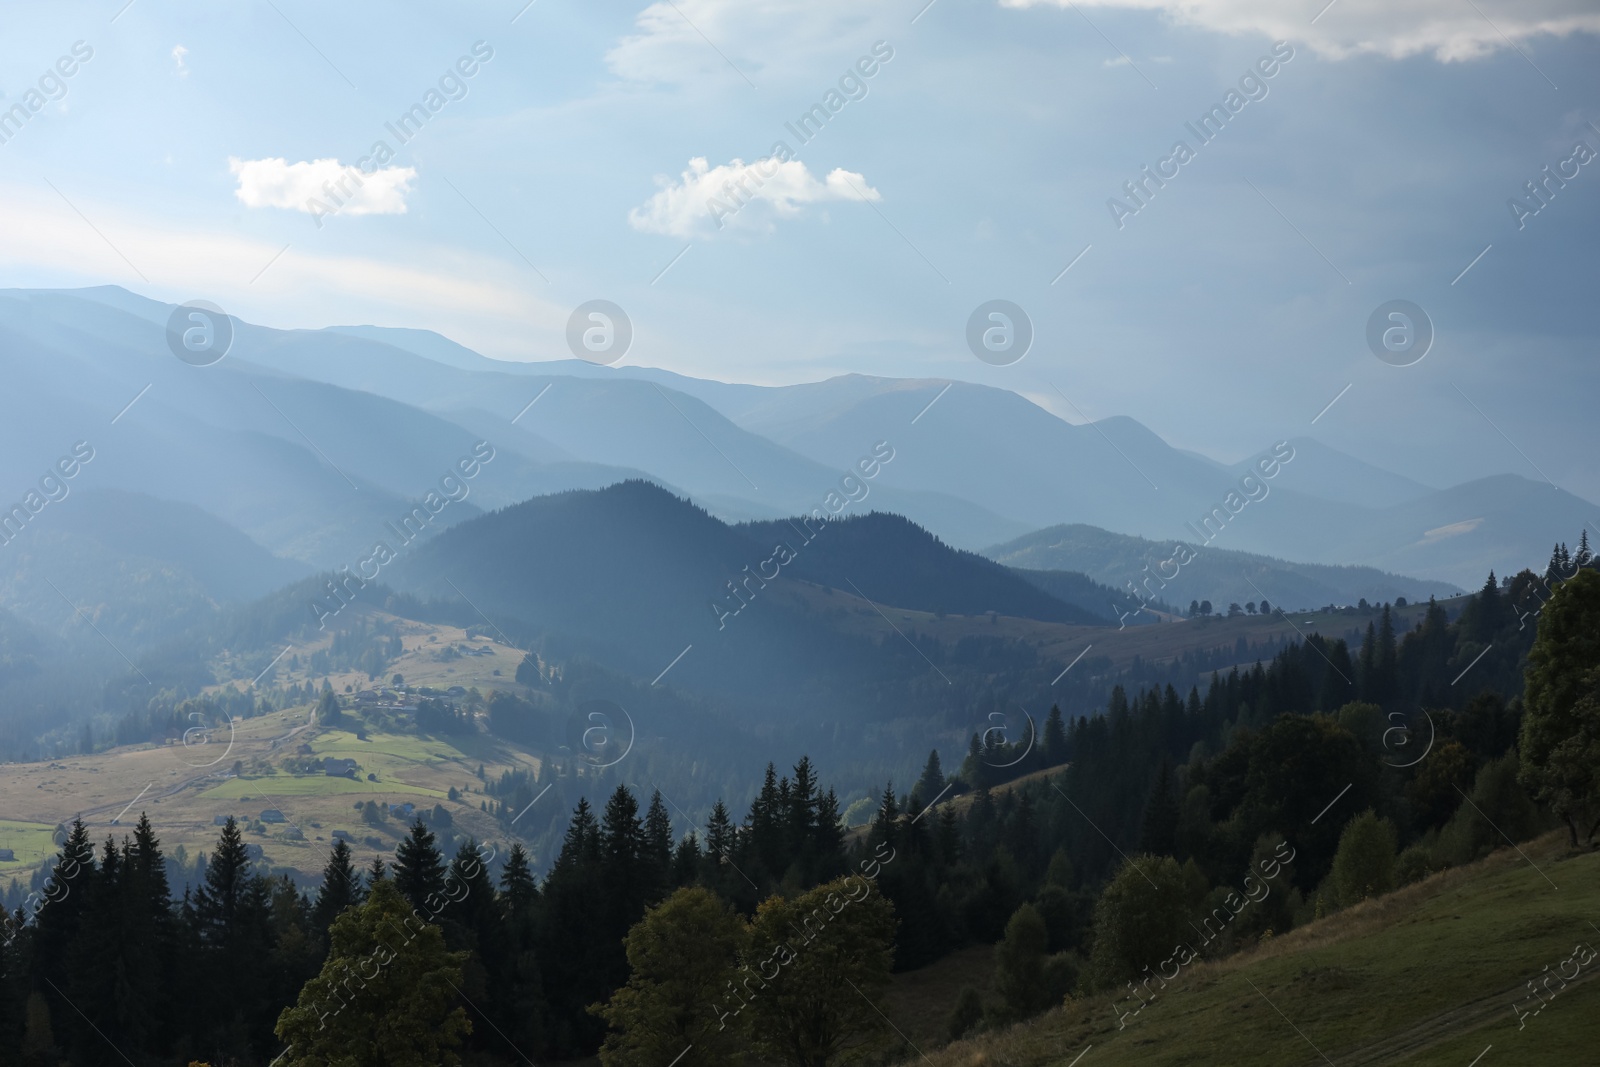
1420, 1036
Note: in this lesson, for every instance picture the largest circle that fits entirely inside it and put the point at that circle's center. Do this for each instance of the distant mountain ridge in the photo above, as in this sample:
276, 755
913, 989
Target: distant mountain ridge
377, 411
1219, 575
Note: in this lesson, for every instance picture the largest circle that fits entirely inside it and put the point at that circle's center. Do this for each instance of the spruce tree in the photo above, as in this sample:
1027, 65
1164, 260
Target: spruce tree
720, 836
341, 888
1159, 834
658, 846
419, 871
217, 900
517, 887
931, 782
1054, 748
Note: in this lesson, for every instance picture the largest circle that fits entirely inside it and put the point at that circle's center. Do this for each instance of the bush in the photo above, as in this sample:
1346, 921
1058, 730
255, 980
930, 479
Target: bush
1364, 866
1414, 864
1019, 965
968, 1013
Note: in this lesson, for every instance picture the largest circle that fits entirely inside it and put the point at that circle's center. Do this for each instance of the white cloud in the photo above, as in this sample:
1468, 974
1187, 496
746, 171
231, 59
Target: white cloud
178, 52
1451, 30
322, 186
707, 199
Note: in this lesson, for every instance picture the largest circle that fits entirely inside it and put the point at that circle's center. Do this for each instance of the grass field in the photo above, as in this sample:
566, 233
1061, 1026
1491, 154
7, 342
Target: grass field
182, 799
30, 841
1424, 976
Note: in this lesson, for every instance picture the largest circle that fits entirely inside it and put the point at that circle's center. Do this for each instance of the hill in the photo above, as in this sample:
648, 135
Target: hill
1424, 976
1219, 575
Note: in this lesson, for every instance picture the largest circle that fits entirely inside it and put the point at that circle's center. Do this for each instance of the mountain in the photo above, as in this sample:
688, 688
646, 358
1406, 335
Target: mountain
890, 560
1219, 575
638, 574
283, 431
142, 568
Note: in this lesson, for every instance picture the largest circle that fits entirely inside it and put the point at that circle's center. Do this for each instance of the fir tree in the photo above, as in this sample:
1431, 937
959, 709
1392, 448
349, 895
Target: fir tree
1159, 834
419, 870
341, 888
931, 783
1054, 749
658, 846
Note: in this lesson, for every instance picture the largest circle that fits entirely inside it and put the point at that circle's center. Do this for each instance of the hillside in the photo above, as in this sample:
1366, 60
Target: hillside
1219, 575
1424, 976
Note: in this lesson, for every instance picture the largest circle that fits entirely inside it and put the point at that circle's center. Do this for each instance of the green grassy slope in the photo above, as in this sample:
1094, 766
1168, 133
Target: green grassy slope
1424, 976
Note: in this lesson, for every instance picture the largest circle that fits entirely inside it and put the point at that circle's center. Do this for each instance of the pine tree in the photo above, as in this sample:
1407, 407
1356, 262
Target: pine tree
931, 784
800, 811
720, 834
1054, 748
658, 846
341, 888
1583, 557
472, 915
218, 900
377, 871
328, 711
1159, 835
419, 871
764, 839
517, 886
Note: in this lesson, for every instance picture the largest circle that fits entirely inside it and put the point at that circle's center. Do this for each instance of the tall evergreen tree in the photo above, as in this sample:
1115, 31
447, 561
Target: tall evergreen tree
931, 782
340, 889
658, 846
218, 900
517, 886
1159, 834
1054, 746
419, 870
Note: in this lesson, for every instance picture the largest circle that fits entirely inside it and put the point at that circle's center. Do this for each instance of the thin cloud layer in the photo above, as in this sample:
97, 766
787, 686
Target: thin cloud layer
322, 186
1451, 30
707, 199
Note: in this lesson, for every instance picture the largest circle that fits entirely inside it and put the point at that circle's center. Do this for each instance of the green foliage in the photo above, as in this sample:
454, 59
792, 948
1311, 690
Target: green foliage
1561, 726
1141, 915
1019, 965
1364, 866
681, 956
386, 997
832, 948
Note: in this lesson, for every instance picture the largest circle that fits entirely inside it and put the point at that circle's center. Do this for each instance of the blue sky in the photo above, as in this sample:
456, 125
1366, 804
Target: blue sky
974, 164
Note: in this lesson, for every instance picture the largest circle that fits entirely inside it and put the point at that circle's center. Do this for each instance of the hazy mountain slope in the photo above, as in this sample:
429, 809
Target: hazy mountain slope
889, 560
1318, 470
975, 464
1215, 574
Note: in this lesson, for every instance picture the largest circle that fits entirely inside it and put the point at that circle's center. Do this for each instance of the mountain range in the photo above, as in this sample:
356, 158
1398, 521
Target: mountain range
303, 447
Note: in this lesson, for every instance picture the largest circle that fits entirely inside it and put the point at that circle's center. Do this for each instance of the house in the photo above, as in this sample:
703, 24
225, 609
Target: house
7, 854
339, 768
219, 820
407, 809
344, 835
272, 815
253, 852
